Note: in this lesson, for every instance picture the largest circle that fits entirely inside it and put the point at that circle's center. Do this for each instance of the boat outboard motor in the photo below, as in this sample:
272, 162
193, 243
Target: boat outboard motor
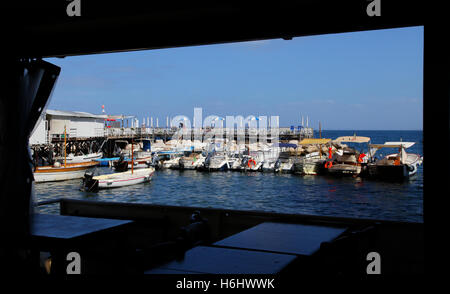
89, 183
155, 162
121, 165
181, 165
277, 164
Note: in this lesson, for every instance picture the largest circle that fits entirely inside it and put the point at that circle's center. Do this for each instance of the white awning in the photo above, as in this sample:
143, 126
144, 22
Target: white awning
393, 145
352, 139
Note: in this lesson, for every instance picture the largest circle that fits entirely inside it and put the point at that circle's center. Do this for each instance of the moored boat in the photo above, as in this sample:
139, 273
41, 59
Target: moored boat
285, 159
284, 164
397, 166
217, 161
348, 161
235, 161
61, 172
94, 183
71, 158
173, 162
311, 163
251, 163
123, 164
193, 161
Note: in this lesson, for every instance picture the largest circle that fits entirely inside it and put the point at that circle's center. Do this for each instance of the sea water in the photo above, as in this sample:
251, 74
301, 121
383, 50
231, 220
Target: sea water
272, 192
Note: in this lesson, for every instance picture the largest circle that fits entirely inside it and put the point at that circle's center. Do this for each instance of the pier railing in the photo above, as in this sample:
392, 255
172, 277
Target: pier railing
126, 132
282, 133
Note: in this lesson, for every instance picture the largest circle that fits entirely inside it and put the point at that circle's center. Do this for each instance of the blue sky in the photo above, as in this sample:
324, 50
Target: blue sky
369, 80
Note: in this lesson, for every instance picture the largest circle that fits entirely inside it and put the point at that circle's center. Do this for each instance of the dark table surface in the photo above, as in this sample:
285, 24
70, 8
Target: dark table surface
214, 260
295, 239
69, 227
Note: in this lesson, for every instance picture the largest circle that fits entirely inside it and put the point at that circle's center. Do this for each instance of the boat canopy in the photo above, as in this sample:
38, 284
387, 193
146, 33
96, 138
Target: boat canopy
352, 139
285, 145
314, 141
393, 145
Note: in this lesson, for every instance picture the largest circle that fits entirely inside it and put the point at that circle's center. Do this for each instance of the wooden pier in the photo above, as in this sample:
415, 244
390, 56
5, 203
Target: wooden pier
107, 140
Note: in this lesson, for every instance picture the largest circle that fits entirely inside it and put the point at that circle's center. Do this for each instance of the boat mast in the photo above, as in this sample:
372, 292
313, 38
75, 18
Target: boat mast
320, 130
65, 153
132, 161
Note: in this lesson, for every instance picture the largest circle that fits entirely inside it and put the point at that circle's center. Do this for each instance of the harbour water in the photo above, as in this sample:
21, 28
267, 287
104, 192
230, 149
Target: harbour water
284, 193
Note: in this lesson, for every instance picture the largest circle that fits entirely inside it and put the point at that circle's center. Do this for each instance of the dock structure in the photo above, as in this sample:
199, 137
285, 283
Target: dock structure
90, 132
282, 133
169, 133
106, 140
82, 127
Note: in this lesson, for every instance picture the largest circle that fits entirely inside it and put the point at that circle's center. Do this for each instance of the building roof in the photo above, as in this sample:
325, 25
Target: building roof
74, 114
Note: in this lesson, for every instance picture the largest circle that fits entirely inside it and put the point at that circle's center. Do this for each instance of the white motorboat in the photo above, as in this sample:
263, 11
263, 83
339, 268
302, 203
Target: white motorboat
193, 161
217, 161
285, 160
173, 162
235, 161
132, 177
397, 166
268, 165
251, 163
61, 172
270, 157
71, 158
284, 165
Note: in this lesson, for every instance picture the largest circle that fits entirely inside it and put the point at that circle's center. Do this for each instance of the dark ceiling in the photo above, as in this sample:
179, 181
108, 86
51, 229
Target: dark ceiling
44, 29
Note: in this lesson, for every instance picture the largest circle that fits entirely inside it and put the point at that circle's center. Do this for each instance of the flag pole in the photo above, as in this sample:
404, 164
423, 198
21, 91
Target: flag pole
65, 153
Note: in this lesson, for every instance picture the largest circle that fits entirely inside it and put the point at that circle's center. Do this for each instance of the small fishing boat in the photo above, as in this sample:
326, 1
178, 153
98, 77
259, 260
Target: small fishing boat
122, 164
107, 161
217, 161
173, 162
268, 165
251, 163
348, 161
193, 161
235, 161
270, 157
93, 183
285, 160
311, 163
61, 172
71, 158
397, 166
284, 164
